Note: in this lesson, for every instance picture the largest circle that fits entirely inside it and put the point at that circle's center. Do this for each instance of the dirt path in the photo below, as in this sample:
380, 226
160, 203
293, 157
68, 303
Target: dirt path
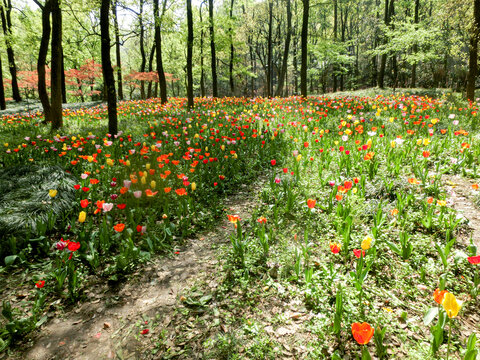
109, 325
461, 197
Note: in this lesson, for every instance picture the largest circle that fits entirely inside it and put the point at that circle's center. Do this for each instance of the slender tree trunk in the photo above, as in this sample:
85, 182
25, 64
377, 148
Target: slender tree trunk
189, 54
304, 45
5, 11
56, 72
202, 70
212, 49
64, 86
117, 50
269, 51
415, 47
158, 42
286, 50
383, 60
3, 105
344, 19
150, 69
473, 58
41, 61
232, 51
107, 69
335, 31
142, 49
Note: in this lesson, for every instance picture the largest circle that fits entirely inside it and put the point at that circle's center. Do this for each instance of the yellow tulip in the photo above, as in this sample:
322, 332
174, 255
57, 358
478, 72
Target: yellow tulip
82, 216
366, 243
147, 166
52, 193
451, 305
143, 179
153, 184
194, 186
426, 142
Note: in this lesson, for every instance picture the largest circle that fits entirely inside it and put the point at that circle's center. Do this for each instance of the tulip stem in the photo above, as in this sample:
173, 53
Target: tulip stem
449, 336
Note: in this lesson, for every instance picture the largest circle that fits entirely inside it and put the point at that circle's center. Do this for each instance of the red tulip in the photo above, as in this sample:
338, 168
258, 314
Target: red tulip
362, 332
474, 260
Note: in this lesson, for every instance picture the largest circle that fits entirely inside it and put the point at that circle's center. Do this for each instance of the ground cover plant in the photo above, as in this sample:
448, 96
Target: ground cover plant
354, 218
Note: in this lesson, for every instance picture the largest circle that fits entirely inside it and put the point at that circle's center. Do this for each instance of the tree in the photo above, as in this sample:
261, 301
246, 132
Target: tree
56, 72
5, 14
158, 44
117, 50
3, 105
212, 49
232, 50
304, 46
283, 71
107, 68
143, 63
189, 54
473, 52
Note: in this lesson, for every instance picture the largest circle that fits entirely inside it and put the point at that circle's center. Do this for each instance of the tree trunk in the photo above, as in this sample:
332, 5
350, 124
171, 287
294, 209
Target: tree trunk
202, 70
150, 69
232, 51
3, 105
286, 50
142, 49
189, 54
383, 60
117, 50
415, 47
56, 72
158, 43
472, 63
5, 11
212, 49
269, 51
41, 61
64, 87
335, 30
107, 69
304, 44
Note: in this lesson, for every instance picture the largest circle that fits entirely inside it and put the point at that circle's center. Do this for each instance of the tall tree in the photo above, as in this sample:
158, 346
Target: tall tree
304, 46
269, 51
415, 46
335, 31
383, 60
232, 50
3, 105
283, 71
473, 58
117, 50
107, 68
56, 71
150, 69
189, 54
143, 64
212, 49
158, 43
202, 70
42, 58
5, 14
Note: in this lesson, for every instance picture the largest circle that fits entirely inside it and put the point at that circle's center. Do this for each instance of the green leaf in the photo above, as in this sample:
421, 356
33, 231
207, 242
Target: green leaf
42, 321
430, 315
9, 260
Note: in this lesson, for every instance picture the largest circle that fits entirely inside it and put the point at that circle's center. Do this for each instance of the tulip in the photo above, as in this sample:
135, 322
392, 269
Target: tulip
366, 243
82, 216
362, 332
451, 305
137, 194
52, 193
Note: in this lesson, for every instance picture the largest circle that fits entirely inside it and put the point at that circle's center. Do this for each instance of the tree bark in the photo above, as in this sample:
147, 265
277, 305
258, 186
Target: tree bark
304, 45
269, 51
415, 47
286, 50
473, 56
64, 87
3, 105
335, 31
41, 61
383, 60
189, 54
158, 43
212, 49
232, 51
142, 49
56, 72
5, 11
107, 69
202, 70
150, 69
117, 50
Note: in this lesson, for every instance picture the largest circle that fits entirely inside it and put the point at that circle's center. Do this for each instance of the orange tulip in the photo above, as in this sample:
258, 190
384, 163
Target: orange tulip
362, 332
233, 218
311, 203
438, 295
119, 227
